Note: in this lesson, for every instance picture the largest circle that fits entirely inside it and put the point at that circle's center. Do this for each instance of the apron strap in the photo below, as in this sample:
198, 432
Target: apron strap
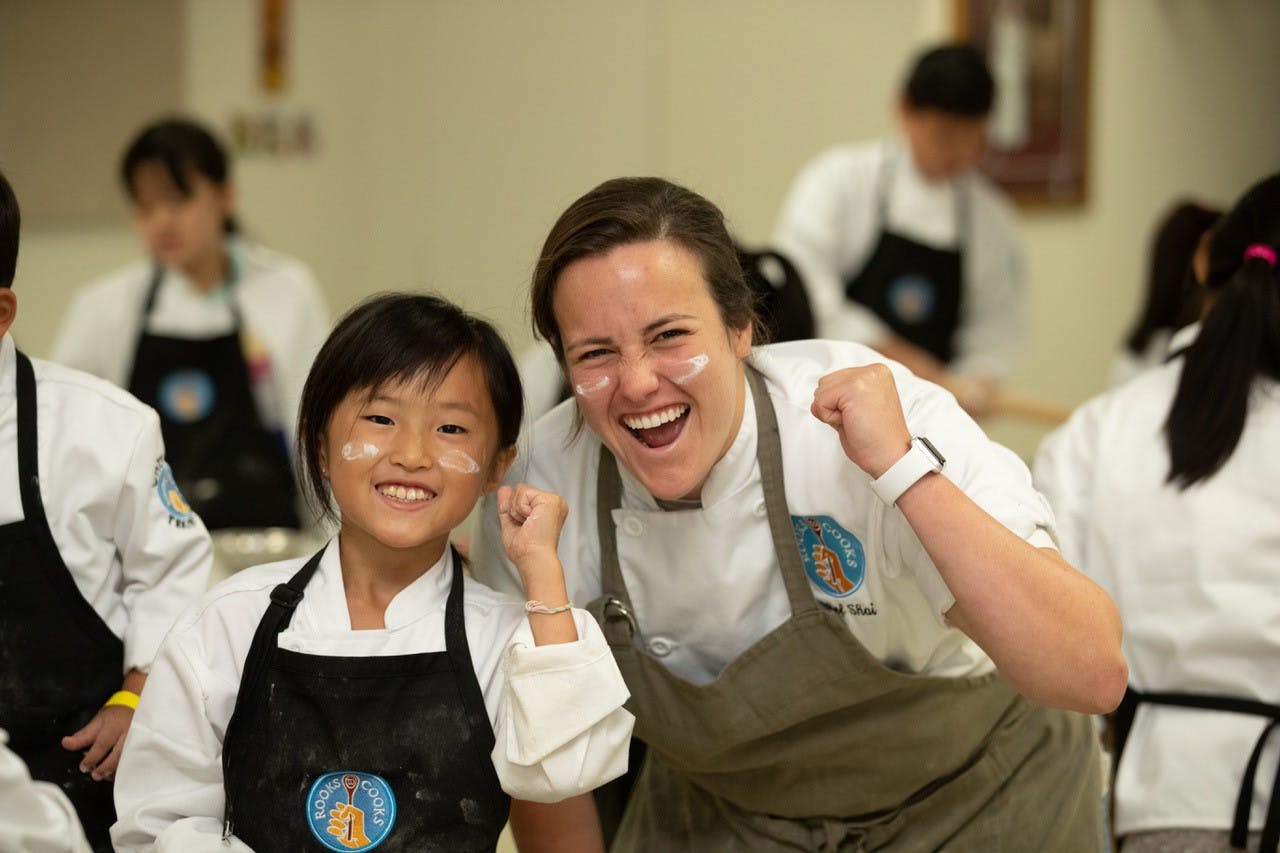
772, 480
28, 449
455, 639
1233, 704
284, 600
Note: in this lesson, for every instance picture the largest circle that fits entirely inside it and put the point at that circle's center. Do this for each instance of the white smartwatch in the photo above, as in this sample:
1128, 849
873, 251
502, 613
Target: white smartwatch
920, 459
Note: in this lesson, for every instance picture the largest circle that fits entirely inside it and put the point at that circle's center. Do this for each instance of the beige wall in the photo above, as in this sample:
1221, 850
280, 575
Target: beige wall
451, 134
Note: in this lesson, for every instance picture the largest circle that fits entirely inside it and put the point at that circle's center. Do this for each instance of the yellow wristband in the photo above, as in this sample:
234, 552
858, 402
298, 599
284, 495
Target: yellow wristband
127, 698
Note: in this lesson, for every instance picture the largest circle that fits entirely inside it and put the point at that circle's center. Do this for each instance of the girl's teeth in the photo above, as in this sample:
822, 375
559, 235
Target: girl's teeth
405, 494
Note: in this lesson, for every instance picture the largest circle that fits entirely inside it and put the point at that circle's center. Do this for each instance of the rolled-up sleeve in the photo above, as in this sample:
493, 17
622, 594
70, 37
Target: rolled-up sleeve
561, 729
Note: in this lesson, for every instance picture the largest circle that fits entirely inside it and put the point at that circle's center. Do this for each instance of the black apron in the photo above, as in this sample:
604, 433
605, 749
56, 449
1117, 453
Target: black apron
916, 290
404, 738
58, 660
1244, 800
229, 467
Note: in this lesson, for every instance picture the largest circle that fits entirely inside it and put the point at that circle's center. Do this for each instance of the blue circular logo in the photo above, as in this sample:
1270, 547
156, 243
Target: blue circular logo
911, 298
833, 557
351, 811
186, 396
170, 498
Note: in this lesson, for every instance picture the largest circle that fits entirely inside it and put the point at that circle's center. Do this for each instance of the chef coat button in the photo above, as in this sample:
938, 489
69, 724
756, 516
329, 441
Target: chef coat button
761, 510
661, 646
632, 526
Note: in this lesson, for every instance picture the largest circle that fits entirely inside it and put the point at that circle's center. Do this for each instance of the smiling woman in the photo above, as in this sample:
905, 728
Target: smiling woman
812, 603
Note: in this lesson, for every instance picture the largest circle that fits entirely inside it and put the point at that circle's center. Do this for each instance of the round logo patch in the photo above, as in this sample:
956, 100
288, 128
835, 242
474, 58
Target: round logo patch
170, 497
351, 811
911, 299
833, 557
186, 396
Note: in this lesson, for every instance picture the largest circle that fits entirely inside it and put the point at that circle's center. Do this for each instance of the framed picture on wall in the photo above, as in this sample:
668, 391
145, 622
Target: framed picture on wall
1038, 51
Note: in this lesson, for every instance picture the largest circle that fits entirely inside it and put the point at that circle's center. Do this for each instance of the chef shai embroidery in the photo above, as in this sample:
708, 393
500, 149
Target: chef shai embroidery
351, 811
833, 557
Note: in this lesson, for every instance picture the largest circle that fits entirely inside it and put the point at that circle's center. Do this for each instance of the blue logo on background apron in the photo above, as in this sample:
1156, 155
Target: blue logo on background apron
911, 298
833, 557
186, 396
351, 811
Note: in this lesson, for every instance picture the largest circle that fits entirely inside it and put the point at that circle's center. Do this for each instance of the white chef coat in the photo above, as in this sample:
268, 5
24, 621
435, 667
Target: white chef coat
1162, 344
1194, 574
829, 226
705, 582
99, 450
556, 710
35, 817
280, 305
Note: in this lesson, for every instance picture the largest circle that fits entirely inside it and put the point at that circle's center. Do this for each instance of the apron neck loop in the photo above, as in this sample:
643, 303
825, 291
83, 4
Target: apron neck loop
962, 188
28, 447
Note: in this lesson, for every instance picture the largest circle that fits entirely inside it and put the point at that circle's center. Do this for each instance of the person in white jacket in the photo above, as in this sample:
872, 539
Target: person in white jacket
1165, 490
36, 816
214, 331
824, 585
905, 247
99, 553
372, 695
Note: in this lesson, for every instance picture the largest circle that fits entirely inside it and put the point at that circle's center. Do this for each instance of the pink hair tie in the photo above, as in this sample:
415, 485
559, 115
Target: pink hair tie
1261, 250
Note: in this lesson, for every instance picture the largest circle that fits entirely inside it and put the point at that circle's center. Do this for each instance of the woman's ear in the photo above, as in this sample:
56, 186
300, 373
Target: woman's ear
8, 308
323, 458
501, 464
740, 341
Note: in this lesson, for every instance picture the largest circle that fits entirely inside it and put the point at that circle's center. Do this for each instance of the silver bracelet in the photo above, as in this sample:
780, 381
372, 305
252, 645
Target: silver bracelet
539, 607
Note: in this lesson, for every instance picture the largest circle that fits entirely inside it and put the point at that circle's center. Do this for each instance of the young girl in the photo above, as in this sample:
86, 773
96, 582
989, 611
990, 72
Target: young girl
1165, 494
369, 695
212, 331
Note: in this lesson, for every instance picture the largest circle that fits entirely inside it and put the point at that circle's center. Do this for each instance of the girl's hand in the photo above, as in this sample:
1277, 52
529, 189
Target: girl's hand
531, 522
862, 405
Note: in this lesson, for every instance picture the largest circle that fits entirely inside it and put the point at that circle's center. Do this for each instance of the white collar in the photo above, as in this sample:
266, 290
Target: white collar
8, 372
1183, 338
327, 595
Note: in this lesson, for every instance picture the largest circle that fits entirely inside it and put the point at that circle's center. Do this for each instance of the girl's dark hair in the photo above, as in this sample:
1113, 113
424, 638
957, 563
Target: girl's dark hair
1173, 298
636, 210
183, 148
1239, 339
953, 79
399, 337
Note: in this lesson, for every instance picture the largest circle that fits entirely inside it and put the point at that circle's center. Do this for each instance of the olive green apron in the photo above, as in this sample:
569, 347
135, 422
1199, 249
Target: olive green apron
806, 742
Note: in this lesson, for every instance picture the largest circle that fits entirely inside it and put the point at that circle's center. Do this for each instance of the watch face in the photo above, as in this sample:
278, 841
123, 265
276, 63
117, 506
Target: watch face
933, 451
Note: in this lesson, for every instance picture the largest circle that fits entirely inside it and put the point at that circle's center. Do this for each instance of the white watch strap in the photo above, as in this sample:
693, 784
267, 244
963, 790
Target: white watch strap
903, 474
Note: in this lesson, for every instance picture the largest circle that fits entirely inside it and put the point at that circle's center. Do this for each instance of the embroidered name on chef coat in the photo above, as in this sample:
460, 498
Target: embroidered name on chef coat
351, 811
170, 498
833, 557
